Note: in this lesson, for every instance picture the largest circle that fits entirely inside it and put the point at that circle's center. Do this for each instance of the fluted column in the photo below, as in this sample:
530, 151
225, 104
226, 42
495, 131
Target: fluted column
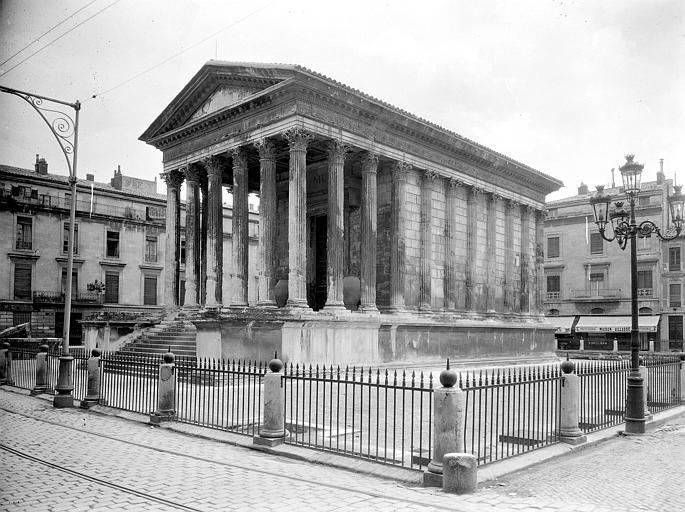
173, 180
471, 247
215, 233
491, 251
298, 140
527, 259
369, 221
335, 242
240, 233
451, 272
192, 181
267, 221
425, 302
511, 208
398, 237
204, 202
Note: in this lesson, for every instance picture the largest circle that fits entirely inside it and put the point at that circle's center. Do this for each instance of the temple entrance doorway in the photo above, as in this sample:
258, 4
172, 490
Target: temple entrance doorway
318, 284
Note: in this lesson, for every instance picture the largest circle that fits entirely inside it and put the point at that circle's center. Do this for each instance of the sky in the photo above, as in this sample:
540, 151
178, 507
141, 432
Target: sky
566, 87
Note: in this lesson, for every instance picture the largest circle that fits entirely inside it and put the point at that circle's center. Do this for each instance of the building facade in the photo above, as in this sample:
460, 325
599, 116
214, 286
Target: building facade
118, 254
381, 235
587, 279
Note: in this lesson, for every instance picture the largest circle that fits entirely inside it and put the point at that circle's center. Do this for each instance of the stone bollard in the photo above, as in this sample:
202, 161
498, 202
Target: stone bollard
9, 380
569, 432
272, 431
3, 364
65, 383
93, 392
41, 385
651, 346
166, 391
644, 373
459, 473
615, 349
582, 345
448, 425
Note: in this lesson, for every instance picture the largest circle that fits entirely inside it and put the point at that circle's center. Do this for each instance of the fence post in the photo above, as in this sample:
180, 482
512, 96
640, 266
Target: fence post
615, 349
41, 371
4, 351
166, 391
449, 404
9, 380
682, 379
93, 392
569, 431
582, 345
273, 430
644, 373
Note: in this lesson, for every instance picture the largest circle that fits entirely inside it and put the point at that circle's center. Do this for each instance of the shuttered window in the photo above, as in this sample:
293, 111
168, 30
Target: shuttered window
24, 233
65, 241
74, 281
553, 247
112, 287
596, 243
675, 328
674, 259
674, 295
22, 281
151, 248
150, 291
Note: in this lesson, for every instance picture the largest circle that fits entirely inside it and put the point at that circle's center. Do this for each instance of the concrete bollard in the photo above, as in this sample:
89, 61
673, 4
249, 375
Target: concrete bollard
448, 425
166, 391
615, 349
9, 380
644, 373
41, 385
3, 364
93, 392
272, 431
569, 431
460, 473
582, 345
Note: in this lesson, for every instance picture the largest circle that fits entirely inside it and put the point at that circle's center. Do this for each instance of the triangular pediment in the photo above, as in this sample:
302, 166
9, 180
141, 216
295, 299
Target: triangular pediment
218, 85
224, 96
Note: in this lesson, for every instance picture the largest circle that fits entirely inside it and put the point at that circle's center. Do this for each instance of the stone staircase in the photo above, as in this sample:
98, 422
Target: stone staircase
175, 335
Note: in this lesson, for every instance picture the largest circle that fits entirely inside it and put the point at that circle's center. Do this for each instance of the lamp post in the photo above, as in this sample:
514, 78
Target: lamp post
625, 227
65, 130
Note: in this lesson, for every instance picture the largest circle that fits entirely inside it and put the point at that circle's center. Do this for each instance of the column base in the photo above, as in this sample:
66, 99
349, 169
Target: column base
63, 401
396, 309
573, 438
335, 308
432, 479
157, 418
369, 309
267, 304
297, 304
38, 391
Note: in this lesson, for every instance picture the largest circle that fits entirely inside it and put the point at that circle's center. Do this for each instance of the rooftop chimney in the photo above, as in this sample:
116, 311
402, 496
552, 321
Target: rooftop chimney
116, 181
583, 189
660, 177
613, 183
90, 177
41, 165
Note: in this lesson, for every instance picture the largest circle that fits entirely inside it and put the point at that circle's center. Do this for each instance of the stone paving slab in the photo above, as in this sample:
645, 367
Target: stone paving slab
124, 457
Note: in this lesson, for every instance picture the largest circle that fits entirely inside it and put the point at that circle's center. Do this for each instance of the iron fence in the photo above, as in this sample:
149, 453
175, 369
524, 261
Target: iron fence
510, 411
602, 393
220, 394
663, 382
369, 414
129, 382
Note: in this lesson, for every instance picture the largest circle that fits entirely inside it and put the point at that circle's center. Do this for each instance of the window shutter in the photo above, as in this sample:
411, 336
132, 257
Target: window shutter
112, 287
22, 281
150, 291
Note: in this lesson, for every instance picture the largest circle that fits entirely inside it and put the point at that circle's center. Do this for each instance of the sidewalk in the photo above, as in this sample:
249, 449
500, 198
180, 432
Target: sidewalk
216, 470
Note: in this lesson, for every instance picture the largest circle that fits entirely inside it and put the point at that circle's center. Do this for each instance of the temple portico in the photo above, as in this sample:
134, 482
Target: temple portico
380, 236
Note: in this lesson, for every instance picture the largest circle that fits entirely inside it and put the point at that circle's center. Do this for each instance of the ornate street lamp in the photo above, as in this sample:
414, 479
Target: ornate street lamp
65, 130
625, 228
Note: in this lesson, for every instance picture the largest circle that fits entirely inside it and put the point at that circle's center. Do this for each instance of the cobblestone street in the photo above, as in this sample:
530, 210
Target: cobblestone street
57, 459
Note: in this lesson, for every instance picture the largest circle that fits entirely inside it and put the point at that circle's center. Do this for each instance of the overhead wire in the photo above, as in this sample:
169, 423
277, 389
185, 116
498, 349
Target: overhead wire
60, 37
138, 75
46, 33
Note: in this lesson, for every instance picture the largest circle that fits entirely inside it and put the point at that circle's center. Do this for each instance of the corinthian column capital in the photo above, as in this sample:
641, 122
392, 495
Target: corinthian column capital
192, 173
369, 162
297, 138
429, 177
173, 179
400, 169
337, 150
239, 157
213, 164
266, 148
453, 186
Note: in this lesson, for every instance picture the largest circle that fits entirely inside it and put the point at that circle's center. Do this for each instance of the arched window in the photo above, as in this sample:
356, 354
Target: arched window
553, 312
597, 311
645, 311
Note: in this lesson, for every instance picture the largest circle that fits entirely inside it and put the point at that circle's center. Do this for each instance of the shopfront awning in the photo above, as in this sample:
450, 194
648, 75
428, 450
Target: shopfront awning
598, 323
562, 323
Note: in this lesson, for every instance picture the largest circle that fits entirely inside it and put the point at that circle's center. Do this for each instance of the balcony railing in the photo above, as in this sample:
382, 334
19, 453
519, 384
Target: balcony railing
553, 295
644, 292
81, 297
596, 292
